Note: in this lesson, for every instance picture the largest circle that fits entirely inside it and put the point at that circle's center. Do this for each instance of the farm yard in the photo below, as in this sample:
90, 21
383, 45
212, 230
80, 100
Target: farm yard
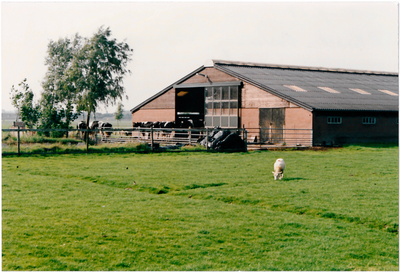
335, 209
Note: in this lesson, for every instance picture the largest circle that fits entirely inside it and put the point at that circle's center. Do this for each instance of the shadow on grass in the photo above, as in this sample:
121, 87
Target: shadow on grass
294, 179
373, 145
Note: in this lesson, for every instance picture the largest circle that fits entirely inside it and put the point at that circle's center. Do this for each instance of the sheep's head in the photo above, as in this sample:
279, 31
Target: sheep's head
277, 175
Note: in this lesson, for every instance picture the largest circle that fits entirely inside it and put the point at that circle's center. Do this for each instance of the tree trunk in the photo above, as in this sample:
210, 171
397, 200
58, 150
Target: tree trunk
87, 132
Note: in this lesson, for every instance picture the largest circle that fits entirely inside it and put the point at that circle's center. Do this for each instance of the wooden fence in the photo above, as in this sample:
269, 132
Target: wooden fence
169, 137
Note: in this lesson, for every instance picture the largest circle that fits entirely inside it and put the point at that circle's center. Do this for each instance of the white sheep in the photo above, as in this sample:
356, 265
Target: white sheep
279, 167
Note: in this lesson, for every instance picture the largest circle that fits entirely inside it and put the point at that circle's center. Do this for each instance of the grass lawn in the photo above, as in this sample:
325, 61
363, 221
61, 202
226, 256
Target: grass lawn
334, 210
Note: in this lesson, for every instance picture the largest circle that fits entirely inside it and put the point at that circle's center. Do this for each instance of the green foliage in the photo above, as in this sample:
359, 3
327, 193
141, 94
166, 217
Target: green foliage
54, 116
334, 210
97, 71
119, 114
22, 99
81, 74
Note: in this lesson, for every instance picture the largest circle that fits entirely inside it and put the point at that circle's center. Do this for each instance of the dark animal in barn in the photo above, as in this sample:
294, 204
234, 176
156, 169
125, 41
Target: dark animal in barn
158, 125
146, 125
184, 124
168, 125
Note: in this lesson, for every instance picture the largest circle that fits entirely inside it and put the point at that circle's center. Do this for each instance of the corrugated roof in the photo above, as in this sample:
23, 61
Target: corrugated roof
274, 78
382, 86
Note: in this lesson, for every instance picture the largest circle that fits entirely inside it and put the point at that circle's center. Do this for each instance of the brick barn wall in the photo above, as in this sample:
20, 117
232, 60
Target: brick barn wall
154, 115
298, 118
352, 130
253, 99
166, 101
160, 109
163, 107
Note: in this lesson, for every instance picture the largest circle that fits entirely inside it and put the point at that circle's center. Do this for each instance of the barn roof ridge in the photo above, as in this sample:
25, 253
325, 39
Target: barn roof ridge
308, 68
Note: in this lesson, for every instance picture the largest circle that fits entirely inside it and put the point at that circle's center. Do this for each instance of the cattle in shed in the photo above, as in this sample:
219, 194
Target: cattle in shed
168, 125
146, 125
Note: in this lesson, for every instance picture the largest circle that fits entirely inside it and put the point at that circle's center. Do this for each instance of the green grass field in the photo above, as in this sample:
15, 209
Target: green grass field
334, 210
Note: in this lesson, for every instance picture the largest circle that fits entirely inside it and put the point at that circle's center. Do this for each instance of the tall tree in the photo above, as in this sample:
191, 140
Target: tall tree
22, 99
58, 92
97, 71
119, 114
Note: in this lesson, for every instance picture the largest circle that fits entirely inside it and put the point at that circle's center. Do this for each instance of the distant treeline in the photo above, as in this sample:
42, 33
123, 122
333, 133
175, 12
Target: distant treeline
97, 116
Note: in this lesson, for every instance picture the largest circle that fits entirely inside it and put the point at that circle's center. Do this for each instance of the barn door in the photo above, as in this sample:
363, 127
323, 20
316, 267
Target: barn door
189, 105
272, 121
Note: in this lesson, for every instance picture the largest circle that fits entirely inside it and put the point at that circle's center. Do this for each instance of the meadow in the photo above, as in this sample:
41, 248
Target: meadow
334, 210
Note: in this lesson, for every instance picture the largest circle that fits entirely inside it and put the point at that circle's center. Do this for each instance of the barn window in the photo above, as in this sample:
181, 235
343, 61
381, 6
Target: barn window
222, 106
334, 120
369, 120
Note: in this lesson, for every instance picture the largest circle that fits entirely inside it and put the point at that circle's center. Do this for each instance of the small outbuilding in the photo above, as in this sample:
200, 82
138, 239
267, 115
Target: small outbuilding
334, 106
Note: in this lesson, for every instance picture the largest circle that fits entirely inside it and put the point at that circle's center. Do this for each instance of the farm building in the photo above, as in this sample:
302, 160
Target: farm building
333, 106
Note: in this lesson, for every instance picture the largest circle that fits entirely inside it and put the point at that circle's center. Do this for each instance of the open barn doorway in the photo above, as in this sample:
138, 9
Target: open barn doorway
272, 121
189, 105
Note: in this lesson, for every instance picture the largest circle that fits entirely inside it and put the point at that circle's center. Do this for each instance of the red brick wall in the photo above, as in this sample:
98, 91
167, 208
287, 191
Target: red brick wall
298, 118
153, 115
166, 101
249, 117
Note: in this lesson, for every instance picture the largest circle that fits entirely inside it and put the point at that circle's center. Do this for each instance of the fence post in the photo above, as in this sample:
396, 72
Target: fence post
270, 133
152, 138
207, 139
245, 139
87, 140
18, 140
190, 135
244, 132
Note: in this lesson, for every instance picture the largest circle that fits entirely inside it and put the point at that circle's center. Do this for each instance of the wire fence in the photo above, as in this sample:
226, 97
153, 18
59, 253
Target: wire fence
280, 137
21, 140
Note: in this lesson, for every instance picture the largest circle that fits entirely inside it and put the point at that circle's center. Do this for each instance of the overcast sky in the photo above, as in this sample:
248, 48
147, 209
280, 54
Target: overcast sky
171, 39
